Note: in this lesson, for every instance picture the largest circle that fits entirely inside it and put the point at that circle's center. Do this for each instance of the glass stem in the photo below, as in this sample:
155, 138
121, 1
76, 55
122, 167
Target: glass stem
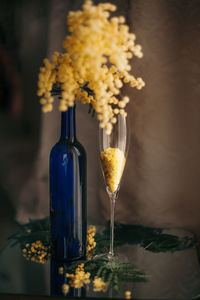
112, 218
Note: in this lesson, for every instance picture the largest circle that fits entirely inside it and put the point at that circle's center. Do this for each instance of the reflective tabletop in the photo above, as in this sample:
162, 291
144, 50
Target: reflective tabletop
165, 266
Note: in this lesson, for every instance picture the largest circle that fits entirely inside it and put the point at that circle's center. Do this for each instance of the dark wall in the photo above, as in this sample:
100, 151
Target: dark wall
23, 45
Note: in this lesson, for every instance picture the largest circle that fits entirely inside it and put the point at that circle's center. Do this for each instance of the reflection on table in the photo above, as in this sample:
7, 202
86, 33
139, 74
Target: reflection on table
164, 275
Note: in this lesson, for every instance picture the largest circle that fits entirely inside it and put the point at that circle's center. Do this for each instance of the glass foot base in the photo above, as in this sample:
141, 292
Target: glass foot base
109, 257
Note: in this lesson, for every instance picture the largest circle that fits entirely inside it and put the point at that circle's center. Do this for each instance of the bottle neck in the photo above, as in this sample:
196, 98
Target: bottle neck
68, 126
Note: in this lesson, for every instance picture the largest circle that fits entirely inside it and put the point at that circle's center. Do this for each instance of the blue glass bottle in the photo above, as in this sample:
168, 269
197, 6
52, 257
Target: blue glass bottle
68, 193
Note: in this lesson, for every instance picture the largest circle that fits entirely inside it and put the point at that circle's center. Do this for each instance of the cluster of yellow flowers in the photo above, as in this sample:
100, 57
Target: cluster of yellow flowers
61, 270
36, 252
127, 295
99, 285
65, 288
80, 277
91, 244
98, 50
113, 162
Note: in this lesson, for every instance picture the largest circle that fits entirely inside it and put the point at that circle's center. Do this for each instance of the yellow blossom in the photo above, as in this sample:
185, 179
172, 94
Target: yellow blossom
98, 50
99, 285
60, 270
36, 252
91, 244
113, 162
65, 288
80, 277
127, 295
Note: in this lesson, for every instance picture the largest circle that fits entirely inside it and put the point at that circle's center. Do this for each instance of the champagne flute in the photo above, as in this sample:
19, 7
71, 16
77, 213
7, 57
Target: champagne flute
113, 153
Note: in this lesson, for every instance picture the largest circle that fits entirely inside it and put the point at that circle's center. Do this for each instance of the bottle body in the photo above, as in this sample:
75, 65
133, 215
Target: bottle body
68, 198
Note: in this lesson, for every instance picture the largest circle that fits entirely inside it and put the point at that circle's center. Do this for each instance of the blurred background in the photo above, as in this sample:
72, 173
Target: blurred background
161, 182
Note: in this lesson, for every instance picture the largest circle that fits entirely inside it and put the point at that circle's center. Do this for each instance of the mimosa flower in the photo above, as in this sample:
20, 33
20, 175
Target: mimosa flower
65, 288
60, 270
127, 295
90, 244
113, 162
36, 252
80, 277
98, 50
99, 285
